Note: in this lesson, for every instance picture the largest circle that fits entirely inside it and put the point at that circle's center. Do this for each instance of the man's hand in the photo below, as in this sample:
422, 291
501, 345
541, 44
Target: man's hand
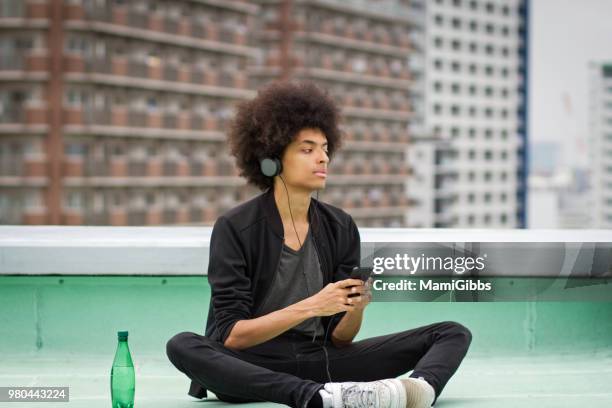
334, 298
365, 296
349, 325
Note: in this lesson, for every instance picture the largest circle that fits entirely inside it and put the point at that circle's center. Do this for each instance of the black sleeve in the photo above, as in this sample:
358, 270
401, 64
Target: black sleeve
350, 256
350, 252
228, 278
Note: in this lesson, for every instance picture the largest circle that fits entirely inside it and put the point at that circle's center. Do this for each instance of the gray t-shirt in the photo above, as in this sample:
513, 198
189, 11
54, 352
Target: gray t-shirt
292, 283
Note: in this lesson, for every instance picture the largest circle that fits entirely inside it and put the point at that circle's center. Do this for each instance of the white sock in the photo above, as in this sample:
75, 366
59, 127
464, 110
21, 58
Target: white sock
328, 400
419, 393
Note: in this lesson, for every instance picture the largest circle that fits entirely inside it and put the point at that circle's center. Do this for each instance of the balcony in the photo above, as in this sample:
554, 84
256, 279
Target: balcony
66, 291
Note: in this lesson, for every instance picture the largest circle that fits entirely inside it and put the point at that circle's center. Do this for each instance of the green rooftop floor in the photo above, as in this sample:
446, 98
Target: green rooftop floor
61, 331
579, 380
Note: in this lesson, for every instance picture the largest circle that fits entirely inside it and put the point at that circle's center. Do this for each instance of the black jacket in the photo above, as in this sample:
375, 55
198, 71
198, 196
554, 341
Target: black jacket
245, 249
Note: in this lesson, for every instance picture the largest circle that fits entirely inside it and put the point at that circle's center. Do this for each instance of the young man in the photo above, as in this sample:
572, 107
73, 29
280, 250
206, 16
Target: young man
281, 322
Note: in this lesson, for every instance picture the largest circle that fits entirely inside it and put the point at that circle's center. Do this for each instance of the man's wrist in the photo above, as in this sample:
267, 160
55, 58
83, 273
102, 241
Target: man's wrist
356, 312
303, 309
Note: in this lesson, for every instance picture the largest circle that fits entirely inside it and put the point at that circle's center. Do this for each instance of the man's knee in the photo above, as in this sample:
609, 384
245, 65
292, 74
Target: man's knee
457, 329
177, 345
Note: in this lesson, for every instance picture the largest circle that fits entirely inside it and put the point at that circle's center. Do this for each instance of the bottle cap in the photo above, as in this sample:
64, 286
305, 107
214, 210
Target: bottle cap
122, 335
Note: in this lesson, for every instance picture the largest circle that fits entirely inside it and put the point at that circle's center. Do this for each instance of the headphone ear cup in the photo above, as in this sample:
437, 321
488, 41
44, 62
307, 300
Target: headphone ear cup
279, 166
270, 167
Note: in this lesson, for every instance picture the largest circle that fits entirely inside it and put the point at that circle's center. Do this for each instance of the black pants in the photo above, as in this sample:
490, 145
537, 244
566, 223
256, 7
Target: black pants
290, 368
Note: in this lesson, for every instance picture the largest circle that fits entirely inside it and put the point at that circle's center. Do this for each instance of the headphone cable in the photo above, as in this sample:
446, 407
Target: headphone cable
306, 280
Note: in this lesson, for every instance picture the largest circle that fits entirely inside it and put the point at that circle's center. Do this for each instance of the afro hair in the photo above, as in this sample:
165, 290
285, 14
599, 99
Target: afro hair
265, 125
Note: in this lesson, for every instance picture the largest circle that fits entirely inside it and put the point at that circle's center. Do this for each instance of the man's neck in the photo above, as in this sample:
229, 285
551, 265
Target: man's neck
300, 202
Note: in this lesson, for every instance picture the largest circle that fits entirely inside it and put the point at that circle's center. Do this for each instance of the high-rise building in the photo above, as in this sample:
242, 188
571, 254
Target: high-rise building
600, 111
471, 73
113, 111
358, 51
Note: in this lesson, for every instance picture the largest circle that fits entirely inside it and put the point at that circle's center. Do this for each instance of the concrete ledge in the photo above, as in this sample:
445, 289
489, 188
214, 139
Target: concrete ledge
58, 250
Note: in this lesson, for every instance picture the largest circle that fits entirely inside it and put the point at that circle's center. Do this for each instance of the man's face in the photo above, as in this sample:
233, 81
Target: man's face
305, 160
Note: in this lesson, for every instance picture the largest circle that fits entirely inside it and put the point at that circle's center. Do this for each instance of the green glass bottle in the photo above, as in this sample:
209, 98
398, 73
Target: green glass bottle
122, 375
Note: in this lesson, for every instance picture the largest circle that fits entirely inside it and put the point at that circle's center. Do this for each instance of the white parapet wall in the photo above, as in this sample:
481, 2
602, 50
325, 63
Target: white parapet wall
51, 250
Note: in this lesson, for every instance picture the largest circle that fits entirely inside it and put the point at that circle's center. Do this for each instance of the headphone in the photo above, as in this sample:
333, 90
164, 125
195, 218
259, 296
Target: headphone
271, 167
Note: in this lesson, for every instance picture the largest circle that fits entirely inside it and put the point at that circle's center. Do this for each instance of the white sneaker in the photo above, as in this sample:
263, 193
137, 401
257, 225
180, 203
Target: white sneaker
419, 393
388, 393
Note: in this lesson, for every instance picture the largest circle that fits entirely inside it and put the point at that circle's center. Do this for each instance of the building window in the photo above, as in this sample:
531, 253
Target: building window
488, 155
151, 103
75, 200
75, 149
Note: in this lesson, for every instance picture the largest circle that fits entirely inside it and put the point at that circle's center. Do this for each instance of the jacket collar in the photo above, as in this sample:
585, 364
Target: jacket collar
274, 218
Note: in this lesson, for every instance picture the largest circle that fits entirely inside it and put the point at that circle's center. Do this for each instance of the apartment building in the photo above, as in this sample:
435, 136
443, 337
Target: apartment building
600, 118
471, 73
358, 51
113, 112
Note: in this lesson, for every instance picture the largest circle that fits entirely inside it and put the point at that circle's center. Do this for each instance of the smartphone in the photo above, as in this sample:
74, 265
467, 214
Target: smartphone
360, 272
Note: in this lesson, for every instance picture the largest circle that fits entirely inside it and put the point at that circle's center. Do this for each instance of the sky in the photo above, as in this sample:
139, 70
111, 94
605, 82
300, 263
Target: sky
565, 36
